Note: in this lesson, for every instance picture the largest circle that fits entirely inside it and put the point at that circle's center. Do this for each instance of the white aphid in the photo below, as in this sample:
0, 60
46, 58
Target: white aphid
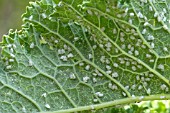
108, 67
47, 106
130, 21
165, 27
90, 56
163, 87
124, 94
95, 100
94, 80
140, 87
144, 31
141, 97
165, 49
114, 31
99, 94
148, 56
70, 55
89, 12
162, 97
131, 14
133, 68
64, 58
9, 67
11, 60
115, 74
133, 87
126, 87
24, 110
85, 79
136, 53
140, 15
44, 95
148, 91
108, 72
12, 55
87, 67
81, 64
150, 8
72, 76
151, 37
61, 51
56, 41
115, 65
161, 67
30, 62
152, 45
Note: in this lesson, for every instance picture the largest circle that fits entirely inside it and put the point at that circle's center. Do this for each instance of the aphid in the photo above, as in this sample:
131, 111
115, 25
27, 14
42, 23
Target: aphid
70, 55
85, 79
126, 10
81, 64
132, 37
123, 46
115, 65
151, 75
161, 67
148, 91
122, 39
102, 59
44, 95
152, 45
94, 80
133, 96
146, 24
114, 31
87, 67
89, 12
140, 87
11, 50
119, 15
72, 76
109, 72
165, 49
131, 14
124, 94
126, 87
162, 97
130, 21
145, 84
165, 27
94, 46
140, 15
141, 97
44, 15
24, 110
9, 67
108, 67
155, 14
107, 61
150, 37
30, 62
64, 58
90, 56
147, 79
115, 74
102, 29
133, 87
12, 55
163, 87
148, 56
136, 53
150, 8
133, 68
11, 60
31, 17
144, 31
108, 49
95, 100
152, 60
61, 51
47, 106
56, 41
108, 45
99, 94
127, 63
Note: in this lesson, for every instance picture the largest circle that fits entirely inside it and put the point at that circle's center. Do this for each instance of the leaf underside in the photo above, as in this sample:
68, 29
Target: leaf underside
74, 55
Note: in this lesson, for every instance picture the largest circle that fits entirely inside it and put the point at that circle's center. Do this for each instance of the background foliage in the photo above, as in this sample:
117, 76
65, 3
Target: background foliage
10, 14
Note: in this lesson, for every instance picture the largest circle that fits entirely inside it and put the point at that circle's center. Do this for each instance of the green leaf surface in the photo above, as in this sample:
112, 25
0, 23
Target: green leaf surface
75, 55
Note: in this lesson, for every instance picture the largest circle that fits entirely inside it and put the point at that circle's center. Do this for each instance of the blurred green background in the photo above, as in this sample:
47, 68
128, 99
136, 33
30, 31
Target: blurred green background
10, 14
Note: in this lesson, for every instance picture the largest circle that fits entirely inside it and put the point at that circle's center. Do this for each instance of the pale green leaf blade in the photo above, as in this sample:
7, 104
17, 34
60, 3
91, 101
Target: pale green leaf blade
81, 55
